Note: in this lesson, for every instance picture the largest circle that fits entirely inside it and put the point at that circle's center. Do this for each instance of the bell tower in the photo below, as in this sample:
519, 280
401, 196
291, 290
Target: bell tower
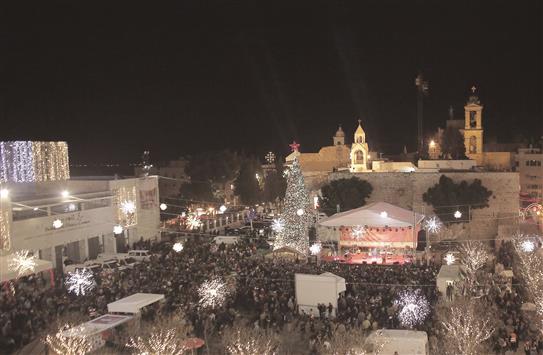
359, 151
473, 127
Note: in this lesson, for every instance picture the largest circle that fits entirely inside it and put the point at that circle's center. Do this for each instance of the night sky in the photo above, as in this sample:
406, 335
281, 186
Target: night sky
113, 78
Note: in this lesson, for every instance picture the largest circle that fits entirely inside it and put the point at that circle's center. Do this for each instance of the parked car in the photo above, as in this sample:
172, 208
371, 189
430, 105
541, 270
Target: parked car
95, 268
139, 255
128, 261
111, 265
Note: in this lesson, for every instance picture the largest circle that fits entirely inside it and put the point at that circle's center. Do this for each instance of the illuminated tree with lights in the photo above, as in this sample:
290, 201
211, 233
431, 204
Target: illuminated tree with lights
530, 264
68, 340
296, 212
353, 342
165, 336
467, 325
249, 341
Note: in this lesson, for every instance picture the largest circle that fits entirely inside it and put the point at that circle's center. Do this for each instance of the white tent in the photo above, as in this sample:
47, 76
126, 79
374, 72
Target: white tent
312, 290
7, 273
134, 303
410, 342
372, 215
448, 274
97, 325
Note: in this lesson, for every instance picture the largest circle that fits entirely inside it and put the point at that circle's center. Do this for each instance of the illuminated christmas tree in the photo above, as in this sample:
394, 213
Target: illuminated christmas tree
296, 213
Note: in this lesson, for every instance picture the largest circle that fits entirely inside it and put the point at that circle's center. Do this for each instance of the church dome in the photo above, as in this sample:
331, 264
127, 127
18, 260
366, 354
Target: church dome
340, 132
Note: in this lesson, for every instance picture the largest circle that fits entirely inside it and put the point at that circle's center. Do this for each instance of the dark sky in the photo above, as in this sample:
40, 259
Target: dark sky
113, 78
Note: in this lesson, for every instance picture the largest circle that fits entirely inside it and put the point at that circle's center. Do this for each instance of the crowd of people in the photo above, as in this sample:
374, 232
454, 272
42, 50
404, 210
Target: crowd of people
262, 295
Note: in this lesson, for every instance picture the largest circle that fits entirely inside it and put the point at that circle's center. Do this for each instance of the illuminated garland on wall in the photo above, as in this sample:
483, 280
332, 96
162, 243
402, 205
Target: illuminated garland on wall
125, 204
5, 237
26, 161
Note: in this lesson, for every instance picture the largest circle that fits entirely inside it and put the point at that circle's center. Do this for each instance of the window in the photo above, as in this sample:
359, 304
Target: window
359, 157
473, 144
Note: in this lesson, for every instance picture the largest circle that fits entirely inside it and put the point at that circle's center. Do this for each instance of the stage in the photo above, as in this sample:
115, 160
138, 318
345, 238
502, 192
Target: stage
364, 258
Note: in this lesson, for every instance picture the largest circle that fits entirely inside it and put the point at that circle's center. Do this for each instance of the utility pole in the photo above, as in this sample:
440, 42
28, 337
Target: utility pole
422, 90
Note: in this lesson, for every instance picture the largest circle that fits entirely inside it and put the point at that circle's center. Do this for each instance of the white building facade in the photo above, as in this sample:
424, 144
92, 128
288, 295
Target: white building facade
75, 218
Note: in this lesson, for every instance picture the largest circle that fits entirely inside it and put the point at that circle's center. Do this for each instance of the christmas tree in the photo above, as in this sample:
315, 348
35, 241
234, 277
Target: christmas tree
296, 216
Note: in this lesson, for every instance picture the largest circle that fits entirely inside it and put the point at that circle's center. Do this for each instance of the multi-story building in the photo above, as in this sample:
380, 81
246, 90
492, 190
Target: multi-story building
529, 162
171, 176
57, 218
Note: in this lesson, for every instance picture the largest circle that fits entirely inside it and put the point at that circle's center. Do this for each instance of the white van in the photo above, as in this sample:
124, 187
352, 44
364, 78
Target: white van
95, 268
139, 255
228, 240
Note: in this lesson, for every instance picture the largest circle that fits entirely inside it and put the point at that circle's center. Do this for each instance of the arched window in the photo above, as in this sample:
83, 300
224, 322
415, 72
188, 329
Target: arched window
359, 157
359, 139
473, 144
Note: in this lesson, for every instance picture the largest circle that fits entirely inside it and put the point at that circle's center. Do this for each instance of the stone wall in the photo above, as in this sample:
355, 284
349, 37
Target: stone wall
406, 190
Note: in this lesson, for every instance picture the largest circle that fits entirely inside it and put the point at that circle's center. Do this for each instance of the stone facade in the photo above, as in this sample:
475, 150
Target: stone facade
406, 189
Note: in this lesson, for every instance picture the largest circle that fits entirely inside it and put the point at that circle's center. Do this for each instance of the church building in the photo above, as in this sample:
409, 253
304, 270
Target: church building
472, 129
336, 157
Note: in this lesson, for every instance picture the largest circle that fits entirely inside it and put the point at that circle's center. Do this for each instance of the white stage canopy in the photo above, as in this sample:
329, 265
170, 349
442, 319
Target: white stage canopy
448, 274
132, 304
372, 215
7, 273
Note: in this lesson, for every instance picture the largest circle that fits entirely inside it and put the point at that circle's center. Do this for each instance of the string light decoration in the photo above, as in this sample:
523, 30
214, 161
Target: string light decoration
278, 225
163, 207
474, 255
433, 224
530, 266
450, 259
22, 263
5, 233
68, 340
128, 207
193, 222
295, 231
177, 247
467, 326
413, 307
125, 204
358, 231
160, 342
457, 214
28, 161
80, 282
212, 293
249, 341
315, 249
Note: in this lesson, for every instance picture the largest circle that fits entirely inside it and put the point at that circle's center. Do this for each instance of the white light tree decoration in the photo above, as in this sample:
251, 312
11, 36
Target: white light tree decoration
358, 231
249, 341
213, 293
177, 247
450, 259
278, 225
413, 307
22, 263
467, 325
80, 282
315, 249
530, 265
433, 224
165, 336
74, 344
295, 231
193, 222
